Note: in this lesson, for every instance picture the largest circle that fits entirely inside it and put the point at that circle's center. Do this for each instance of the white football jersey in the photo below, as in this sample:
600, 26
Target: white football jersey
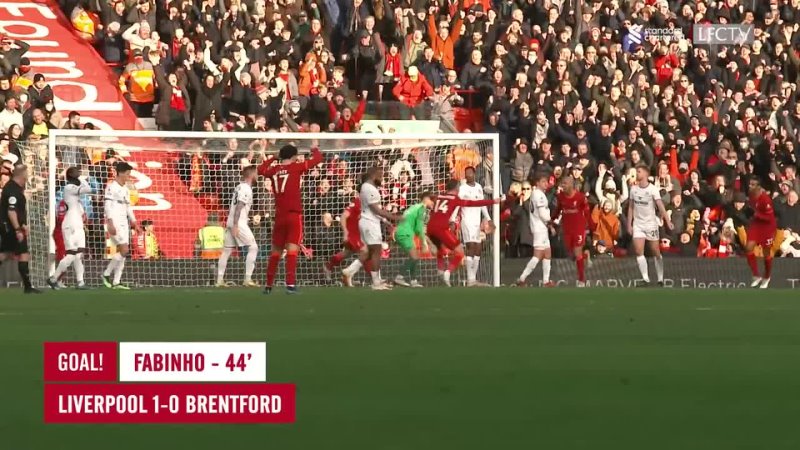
72, 198
472, 214
644, 205
118, 203
242, 194
540, 210
370, 195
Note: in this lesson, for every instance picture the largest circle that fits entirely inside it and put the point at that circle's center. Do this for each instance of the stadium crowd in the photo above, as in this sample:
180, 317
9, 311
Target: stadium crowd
571, 87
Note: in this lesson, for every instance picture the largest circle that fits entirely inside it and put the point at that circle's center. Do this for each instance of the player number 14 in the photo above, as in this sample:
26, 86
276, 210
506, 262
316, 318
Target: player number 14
238, 362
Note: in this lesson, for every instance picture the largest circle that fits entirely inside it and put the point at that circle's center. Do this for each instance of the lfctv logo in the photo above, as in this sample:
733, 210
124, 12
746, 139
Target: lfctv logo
723, 34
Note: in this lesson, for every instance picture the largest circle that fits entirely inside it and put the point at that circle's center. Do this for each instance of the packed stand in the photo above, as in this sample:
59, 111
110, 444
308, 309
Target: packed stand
569, 86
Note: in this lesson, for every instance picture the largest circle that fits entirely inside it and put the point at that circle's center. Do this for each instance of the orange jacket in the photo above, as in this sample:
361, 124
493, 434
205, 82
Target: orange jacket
443, 48
142, 82
310, 81
460, 159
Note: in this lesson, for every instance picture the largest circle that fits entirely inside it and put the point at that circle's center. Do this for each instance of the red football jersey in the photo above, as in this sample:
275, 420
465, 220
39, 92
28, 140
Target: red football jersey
574, 212
286, 181
764, 211
446, 206
353, 216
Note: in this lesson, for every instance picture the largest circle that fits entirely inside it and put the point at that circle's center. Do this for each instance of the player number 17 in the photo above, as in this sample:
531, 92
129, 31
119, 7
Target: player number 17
279, 182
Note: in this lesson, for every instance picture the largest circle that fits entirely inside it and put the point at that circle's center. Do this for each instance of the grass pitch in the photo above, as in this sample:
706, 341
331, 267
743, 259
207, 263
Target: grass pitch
446, 369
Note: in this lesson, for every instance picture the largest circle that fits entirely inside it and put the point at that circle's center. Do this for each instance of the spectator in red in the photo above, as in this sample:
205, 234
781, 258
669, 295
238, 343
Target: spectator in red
346, 121
412, 90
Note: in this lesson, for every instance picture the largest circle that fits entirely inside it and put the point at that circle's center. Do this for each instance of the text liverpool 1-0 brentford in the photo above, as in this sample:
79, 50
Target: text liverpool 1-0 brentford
173, 404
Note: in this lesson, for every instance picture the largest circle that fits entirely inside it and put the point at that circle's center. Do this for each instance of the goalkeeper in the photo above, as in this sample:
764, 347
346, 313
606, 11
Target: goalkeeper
413, 225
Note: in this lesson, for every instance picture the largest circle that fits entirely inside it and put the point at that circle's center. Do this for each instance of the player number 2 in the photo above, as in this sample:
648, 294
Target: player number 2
279, 182
441, 206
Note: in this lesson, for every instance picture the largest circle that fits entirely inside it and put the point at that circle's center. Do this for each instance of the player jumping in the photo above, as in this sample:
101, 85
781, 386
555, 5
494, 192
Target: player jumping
572, 206
643, 223
287, 233
237, 230
440, 229
352, 244
413, 224
471, 219
370, 223
761, 231
72, 230
537, 207
119, 219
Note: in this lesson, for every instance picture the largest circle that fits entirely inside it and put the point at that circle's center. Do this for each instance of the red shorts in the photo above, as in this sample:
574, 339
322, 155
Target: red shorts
353, 243
444, 238
574, 240
288, 229
762, 236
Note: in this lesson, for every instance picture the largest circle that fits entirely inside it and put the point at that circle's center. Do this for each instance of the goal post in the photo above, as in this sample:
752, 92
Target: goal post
183, 182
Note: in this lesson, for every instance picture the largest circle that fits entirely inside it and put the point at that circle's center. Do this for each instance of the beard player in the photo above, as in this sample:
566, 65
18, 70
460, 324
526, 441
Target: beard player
119, 218
72, 231
537, 207
370, 223
572, 206
643, 223
237, 230
471, 219
760, 232
287, 233
440, 232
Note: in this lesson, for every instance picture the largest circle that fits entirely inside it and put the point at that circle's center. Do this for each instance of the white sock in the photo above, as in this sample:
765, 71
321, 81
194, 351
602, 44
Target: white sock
222, 263
529, 268
353, 268
469, 262
476, 263
376, 278
250, 262
446, 276
63, 265
112, 264
546, 270
642, 262
79, 269
659, 262
119, 268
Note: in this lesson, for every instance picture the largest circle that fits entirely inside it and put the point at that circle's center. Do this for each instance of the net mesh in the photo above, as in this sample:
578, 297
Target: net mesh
182, 189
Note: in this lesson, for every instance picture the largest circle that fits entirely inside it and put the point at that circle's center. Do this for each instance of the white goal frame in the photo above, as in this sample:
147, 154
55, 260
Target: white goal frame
494, 138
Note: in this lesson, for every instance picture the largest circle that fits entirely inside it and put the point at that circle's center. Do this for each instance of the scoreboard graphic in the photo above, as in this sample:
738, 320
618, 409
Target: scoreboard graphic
162, 382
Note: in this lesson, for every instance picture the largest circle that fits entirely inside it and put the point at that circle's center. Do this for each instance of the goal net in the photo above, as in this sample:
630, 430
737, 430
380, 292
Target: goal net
182, 185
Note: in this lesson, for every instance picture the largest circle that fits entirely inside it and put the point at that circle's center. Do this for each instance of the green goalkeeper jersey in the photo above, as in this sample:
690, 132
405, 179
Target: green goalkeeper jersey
414, 220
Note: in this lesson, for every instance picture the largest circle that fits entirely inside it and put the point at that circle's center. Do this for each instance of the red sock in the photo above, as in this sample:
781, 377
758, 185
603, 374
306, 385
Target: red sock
335, 260
751, 261
581, 264
440, 263
455, 261
272, 267
367, 265
767, 266
291, 268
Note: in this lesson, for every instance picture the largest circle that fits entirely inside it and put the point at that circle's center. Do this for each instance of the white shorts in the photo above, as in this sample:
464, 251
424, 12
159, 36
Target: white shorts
244, 239
645, 232
74, 236
123, 236
470, 232
370, 232
541, 239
